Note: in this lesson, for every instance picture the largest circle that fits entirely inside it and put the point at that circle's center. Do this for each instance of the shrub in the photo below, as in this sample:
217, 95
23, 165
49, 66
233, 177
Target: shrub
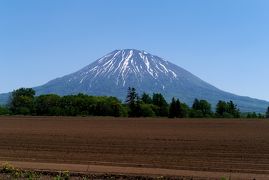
65, 175
8, 168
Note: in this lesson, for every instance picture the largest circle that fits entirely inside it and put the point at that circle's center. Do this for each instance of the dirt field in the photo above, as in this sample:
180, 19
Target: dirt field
177, 146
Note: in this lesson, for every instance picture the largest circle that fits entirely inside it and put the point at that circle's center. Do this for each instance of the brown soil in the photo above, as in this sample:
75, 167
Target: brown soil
205, 146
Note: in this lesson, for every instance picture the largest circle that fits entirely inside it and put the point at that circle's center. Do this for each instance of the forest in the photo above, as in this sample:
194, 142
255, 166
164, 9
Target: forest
24, 101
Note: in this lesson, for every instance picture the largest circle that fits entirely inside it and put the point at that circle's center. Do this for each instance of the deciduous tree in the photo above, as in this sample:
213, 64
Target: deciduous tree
22, 101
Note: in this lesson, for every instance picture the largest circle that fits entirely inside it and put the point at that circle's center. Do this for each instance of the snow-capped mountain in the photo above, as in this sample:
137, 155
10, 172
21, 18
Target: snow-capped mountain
115, 72
112, 74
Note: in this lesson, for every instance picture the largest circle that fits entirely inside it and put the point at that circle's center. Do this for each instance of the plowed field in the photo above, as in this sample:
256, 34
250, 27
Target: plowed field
213, 145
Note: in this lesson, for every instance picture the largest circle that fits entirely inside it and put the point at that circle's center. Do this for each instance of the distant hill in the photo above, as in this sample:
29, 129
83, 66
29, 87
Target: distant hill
112, 74
4, 98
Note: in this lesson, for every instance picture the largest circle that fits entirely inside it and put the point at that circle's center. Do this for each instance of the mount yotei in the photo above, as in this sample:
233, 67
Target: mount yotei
112, 74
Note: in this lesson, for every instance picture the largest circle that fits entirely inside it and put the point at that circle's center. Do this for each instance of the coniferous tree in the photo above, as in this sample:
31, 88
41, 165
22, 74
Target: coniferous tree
196, 104
145, 98
233, 110
172, 108
133, 103
176, 109
179, 112
221, 108
161, 104
138, 108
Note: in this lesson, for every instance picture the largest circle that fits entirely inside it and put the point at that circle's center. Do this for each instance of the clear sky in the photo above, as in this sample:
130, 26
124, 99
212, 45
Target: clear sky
224, 42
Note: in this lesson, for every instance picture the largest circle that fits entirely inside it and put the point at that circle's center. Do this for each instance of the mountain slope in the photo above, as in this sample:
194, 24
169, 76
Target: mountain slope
112, 74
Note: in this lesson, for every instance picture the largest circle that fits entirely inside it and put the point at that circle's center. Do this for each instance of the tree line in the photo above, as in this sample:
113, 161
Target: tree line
24, 102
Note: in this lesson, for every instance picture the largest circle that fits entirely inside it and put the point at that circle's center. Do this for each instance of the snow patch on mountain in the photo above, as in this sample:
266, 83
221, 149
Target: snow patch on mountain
126, 63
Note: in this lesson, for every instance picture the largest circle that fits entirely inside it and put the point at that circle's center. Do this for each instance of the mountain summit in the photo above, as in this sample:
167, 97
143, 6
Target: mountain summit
115, 72
112, 74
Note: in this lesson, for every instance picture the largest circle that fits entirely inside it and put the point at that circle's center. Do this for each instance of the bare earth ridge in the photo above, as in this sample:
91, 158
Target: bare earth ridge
210, 148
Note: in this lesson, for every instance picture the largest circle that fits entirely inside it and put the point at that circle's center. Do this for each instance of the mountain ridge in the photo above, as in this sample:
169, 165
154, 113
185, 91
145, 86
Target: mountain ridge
113, 73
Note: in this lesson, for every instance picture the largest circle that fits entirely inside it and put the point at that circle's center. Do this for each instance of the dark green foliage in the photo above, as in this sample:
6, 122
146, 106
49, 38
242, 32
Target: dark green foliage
200, 109
227, 110
253, 115
134, 103
196, 104
22, 101
205, 107
147, 110
196, 114
48, 105
4, 110
221, 108
131, 96
146, 98
172, 109
162, 106
232, 109
177, 109
260, 116
185, 110
84, 105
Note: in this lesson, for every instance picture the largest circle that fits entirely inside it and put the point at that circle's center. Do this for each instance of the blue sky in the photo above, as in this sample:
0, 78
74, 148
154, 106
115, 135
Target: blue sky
224, 42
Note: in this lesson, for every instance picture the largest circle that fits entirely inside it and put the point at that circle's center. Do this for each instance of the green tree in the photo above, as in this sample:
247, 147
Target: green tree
48, 105
116, 109
185, 110
4, 110
22, 101
254, 115
133, 103
145, 98
201, 108
233, 110
267, 113
221, 108
178, 109
67, 104
249, 115
227, 110
161, 104
172, 108
196, 104
147, 110
196, 113
205, 107
260, 116
138, 110
116, 106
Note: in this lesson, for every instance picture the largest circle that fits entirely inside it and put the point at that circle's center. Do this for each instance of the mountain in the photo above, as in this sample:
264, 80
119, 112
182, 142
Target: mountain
112, 74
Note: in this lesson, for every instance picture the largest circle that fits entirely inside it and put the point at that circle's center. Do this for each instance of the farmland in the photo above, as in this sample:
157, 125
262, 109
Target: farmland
148, 146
